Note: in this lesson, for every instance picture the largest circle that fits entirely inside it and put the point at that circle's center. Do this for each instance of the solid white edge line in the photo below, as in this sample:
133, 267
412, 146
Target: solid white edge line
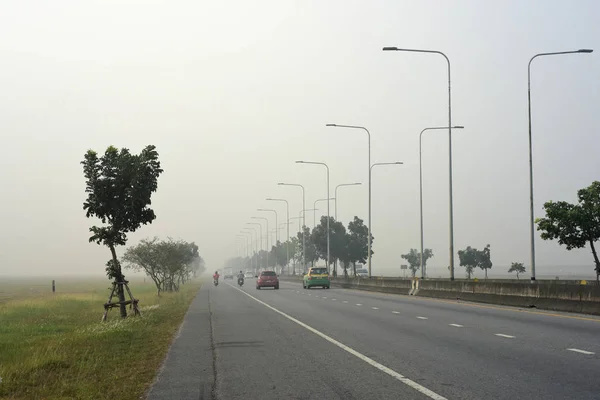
422, 389
589, 353
456, 325
503, 335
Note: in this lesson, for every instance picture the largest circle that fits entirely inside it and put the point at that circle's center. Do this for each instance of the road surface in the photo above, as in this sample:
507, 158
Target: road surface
294, 343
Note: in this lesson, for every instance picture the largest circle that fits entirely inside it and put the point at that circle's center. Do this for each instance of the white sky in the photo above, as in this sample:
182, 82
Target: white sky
233, 92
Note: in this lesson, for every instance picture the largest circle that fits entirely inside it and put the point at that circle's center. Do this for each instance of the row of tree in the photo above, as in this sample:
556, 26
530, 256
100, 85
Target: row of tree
169, 263
348, 246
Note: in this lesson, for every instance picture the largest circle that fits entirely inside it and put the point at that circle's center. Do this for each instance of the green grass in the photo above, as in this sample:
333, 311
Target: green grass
53, 346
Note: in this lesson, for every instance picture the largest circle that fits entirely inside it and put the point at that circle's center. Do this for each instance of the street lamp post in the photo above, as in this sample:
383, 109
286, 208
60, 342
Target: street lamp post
370, 173
276, 225
531, 214
267, 230
303, 223
327, 167
287, 245
249, 243
315, 209
451, 249
421, 187
303, 212
261, 241
336, 196
369, 165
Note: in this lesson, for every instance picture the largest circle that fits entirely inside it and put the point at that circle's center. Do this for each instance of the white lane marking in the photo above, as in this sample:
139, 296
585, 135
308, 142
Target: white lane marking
503, 335
421, 389
333, 299
422, 317
358, 304
395, 312
582, 351
324, 297
344, 301
375, 308
456, 325
316, 296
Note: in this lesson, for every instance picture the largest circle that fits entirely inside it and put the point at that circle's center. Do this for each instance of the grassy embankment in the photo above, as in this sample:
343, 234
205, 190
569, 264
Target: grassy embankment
53, 346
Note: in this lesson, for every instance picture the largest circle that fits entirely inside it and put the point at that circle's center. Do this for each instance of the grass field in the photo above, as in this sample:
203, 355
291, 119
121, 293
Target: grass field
53, 345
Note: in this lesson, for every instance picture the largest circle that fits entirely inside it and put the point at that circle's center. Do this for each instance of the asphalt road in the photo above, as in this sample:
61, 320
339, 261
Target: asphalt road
294, 343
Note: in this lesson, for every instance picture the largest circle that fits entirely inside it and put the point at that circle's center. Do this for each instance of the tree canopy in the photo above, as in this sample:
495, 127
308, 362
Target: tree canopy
517, 267
169, 263
574, 225
471, 258
119, 186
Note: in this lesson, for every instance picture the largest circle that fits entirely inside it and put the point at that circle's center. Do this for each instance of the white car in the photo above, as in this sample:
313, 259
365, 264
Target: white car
249, 275
362, 273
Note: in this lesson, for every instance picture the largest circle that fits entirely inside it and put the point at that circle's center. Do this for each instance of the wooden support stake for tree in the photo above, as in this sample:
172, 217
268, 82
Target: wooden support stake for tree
133, 303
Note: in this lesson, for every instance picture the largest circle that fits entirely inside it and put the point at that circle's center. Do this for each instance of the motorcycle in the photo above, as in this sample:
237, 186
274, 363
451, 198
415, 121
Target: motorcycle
216, 282
240, 281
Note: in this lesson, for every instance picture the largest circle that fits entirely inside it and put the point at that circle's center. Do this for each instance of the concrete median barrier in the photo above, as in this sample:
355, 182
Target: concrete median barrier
570, 296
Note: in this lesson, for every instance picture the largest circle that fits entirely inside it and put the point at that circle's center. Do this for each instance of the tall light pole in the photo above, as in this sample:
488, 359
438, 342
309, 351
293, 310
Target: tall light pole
315, 209
303, 212
249, 243
336, 196
451, 227
327, 168
303, 222
421, 187
276, 225
261, 241
287, 245
531, 214
370, 173
369, 165
267, 230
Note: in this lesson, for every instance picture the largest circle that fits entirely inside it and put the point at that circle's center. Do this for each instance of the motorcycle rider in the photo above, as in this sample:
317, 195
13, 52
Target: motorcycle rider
240, 276
216, 276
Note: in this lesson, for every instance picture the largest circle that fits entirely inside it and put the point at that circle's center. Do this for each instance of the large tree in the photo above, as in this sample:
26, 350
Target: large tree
119, 186
574, 225
358, 242
337, 240
311, 250
517, 267
413, 259
468, 258
484, 260
471, 258
168, 263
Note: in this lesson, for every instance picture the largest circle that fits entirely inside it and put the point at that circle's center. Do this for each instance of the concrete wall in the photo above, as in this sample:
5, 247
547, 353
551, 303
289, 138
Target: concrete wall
557, 295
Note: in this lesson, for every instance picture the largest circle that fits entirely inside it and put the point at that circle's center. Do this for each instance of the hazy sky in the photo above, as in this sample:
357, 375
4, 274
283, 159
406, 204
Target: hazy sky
233, 92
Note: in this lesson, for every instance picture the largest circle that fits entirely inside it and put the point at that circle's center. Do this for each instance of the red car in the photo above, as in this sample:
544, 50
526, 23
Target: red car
267, 279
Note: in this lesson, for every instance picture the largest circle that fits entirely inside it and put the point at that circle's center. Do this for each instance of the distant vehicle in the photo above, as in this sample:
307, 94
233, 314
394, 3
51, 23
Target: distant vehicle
248, 275
316, 276
228, 276
362, 273
267, 279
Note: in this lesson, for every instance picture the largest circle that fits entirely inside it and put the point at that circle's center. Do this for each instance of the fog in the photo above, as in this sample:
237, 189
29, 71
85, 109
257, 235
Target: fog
233, 92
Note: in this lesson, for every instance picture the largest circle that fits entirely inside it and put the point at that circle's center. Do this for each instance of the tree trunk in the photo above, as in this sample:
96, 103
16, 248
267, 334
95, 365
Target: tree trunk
119, 278
596, 261
486, 274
